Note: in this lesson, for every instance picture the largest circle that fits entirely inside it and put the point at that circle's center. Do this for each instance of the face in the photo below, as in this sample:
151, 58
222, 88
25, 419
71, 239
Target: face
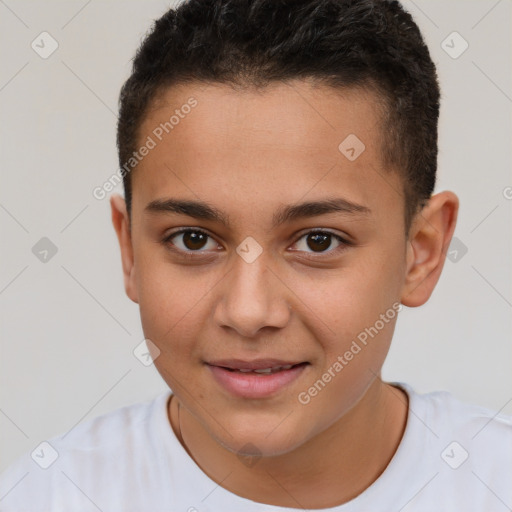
257, 243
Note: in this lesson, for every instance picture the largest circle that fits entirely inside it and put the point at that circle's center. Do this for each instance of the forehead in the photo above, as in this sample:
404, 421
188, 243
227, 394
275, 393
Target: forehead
281, 143
307, 116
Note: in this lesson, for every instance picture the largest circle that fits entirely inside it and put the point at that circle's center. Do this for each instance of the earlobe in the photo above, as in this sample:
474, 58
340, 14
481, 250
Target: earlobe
430, 236
121, 223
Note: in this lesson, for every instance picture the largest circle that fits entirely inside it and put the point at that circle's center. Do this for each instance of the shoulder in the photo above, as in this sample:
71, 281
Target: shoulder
451, 414
465, 448
91, 454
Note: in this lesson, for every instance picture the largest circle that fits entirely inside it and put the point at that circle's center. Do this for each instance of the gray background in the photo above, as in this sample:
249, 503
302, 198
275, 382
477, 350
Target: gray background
68, 330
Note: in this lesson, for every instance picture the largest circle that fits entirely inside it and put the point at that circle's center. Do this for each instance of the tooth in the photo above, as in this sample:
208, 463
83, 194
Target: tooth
266, 370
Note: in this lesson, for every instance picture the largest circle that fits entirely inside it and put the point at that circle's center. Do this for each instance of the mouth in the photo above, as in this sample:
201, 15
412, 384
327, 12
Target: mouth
263, 371
266, 365
256, 379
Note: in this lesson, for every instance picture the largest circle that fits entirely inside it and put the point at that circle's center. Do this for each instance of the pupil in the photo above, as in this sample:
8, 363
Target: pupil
194, 240
318, 241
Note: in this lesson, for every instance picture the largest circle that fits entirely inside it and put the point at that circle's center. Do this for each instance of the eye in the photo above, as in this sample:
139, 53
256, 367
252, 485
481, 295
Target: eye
191, 240
318, 241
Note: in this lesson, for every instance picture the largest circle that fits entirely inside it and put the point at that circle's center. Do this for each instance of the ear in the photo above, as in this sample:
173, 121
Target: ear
429, 238
121, 222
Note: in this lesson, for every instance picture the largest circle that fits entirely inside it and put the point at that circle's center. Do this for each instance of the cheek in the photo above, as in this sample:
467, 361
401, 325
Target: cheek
351, 298
355, 311
171, 313
360, 333
168, 300
167, 291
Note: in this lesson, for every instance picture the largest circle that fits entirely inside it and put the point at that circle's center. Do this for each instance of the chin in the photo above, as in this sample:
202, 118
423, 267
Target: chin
260, 442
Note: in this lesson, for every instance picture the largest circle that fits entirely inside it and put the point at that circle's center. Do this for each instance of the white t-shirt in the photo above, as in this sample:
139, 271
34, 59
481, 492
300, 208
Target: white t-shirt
453, 457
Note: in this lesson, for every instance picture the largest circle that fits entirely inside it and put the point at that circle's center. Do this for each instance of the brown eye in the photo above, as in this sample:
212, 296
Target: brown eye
191, 240
320, 242
194, 240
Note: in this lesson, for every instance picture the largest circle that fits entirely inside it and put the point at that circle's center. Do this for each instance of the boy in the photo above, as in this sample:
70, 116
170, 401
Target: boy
279, 160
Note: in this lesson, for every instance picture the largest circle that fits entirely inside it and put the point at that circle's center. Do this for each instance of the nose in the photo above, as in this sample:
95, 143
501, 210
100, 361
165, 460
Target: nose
252, 297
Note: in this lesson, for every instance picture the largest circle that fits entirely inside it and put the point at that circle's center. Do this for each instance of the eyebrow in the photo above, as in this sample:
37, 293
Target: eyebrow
204, 211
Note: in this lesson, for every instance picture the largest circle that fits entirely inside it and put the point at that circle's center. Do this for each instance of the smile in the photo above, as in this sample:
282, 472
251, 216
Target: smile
239, 379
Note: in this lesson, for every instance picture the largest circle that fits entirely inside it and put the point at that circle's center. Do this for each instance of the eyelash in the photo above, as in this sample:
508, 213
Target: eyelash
195, 254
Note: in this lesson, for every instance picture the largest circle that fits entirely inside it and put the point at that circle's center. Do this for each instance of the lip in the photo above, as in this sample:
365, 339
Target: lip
252, 385
255, 364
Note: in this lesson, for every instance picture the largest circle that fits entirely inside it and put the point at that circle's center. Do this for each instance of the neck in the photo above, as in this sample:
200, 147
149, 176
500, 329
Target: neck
328, 470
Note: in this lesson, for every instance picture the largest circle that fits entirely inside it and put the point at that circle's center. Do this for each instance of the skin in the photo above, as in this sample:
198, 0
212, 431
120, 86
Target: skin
248, 153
